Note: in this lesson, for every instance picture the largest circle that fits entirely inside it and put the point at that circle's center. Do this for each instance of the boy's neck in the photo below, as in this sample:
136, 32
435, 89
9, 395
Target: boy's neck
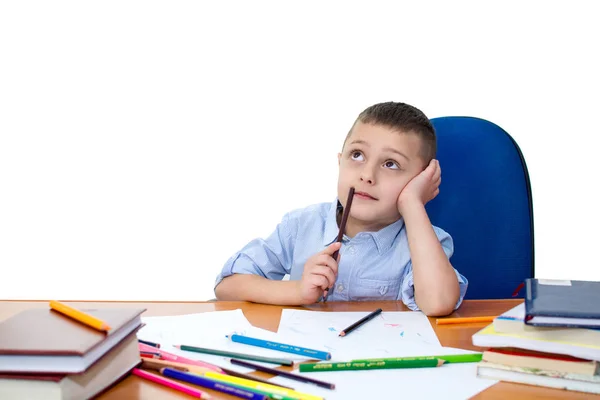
354, 227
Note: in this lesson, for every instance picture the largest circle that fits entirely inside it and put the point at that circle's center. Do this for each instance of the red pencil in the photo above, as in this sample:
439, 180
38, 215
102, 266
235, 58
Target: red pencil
164, 355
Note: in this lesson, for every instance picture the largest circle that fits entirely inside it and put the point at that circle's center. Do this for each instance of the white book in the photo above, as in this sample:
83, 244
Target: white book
536, 377
574, 342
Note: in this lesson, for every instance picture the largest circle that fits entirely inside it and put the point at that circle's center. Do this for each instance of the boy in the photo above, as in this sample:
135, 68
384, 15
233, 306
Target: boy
390, 250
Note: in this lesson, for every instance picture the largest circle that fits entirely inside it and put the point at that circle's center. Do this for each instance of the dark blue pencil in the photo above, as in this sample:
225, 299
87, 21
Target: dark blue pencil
149, 343
360, 322
212, 384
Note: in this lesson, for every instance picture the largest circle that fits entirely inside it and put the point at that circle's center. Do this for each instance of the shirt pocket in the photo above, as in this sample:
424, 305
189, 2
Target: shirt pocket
374, 289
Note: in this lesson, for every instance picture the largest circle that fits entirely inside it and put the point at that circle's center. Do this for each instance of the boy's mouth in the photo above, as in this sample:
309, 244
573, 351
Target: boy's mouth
364, 195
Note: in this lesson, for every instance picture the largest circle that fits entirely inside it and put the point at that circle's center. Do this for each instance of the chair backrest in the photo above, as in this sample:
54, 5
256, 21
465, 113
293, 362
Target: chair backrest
485, 205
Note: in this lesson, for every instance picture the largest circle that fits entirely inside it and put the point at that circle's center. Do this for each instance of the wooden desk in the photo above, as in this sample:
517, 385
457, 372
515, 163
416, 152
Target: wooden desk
267, 317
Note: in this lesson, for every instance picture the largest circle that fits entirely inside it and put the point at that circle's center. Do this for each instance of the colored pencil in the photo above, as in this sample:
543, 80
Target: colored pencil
249, 377
352, 365
273, 391
171, 384
230, 354
79, 316
147, 354
360, 322
157, 365
450, 358
157, 345
289, 375
212, 384
165, 355
464, 320
287, 348
341, 233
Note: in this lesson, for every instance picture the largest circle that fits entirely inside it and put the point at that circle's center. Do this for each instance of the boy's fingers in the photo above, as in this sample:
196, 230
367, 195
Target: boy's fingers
326, 272
437, 174
320, 281
328, 261
332, 248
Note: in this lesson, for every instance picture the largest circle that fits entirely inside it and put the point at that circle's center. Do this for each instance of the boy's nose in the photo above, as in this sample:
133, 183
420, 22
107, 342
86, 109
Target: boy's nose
367, 175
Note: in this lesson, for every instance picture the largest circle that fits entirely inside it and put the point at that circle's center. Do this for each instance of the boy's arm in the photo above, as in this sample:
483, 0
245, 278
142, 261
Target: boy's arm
436, 287
319, 274
255, 273
254, 288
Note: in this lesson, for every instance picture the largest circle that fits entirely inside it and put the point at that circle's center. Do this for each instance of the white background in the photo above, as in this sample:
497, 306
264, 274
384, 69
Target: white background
143, 142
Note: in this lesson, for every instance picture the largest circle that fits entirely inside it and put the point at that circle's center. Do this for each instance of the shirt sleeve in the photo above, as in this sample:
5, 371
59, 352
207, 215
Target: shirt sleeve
407, 288
270, 258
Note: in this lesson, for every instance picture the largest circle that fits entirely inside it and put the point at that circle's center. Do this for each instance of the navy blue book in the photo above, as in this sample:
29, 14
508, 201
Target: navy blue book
562, 303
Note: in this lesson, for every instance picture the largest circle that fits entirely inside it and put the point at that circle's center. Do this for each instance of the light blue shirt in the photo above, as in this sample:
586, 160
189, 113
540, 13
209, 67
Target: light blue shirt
373, 265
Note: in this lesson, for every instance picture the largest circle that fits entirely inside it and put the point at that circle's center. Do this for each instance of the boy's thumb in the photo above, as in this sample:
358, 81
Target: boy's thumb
333, 247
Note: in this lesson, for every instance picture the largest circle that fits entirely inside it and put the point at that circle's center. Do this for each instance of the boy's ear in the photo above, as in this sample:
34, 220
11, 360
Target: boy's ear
339, 158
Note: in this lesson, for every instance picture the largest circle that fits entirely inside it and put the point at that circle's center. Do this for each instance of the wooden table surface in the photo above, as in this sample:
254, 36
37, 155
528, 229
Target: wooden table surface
267, 317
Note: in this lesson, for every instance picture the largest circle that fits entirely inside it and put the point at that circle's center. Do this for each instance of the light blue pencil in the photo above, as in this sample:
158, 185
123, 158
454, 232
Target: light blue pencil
287, 348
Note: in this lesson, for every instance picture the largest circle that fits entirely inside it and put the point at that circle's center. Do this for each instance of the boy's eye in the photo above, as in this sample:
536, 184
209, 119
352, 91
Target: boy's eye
391, 165
356, 155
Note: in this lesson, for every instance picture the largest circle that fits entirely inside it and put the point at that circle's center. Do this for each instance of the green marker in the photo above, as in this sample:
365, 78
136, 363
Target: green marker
450, 358
364, 365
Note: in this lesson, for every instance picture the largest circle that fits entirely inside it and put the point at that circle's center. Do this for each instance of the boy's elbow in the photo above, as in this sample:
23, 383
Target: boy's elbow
219, 291
439, 306
437, 310
223, 290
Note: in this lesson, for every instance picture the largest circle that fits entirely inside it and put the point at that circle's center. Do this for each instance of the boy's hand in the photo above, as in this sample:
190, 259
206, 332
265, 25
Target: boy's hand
320, 272
422, 188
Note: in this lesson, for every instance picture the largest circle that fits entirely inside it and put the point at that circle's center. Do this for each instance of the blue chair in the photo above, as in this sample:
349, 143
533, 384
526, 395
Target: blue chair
485, 205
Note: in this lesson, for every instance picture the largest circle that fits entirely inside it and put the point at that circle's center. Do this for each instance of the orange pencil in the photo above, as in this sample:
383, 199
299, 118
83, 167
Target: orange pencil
465, 320
79, 316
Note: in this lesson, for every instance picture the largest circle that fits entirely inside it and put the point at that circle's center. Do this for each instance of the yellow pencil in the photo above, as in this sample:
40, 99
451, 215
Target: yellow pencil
260, 386
79, 316
463, 320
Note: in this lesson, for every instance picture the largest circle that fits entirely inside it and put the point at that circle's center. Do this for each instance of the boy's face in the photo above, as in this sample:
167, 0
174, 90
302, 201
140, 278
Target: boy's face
378, 162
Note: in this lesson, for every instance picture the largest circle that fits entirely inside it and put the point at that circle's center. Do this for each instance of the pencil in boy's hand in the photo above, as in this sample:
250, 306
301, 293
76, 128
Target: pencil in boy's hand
360, 322
79, 316
341, 232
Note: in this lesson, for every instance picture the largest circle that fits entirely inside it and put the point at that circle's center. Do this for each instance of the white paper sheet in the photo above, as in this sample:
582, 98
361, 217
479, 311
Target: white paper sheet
448, 382
209, 330
390, 334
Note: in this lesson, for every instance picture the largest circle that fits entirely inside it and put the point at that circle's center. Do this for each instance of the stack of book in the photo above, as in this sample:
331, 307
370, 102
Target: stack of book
551, 340
45, 354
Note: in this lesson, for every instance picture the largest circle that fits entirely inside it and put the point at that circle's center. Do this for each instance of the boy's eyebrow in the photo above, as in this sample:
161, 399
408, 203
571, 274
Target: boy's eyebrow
359, 141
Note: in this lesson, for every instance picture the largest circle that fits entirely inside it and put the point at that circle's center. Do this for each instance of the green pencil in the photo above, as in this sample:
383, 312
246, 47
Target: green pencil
280, 361
362, 365
450, 358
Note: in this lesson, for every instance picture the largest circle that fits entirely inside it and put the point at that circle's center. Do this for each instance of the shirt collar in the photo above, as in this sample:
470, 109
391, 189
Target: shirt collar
331, 226
384, 238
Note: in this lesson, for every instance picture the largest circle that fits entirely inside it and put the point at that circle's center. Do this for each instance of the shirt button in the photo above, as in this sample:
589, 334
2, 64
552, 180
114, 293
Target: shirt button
351, 249
340, 287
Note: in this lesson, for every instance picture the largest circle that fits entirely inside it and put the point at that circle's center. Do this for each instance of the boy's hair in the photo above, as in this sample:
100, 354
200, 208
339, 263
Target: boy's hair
404, 118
